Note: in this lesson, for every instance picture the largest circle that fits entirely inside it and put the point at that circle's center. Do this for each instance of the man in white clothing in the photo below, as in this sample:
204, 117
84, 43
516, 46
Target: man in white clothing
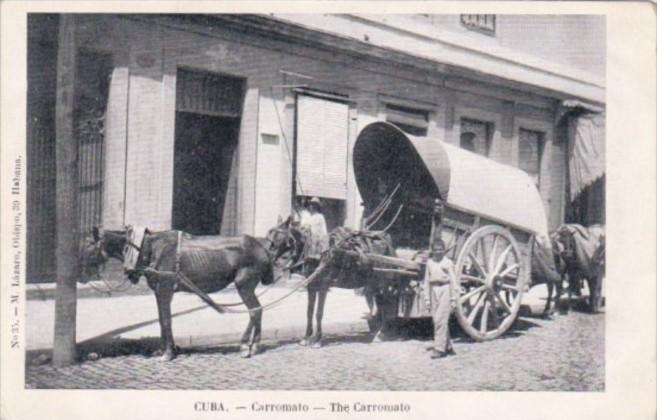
438, 280
314, 221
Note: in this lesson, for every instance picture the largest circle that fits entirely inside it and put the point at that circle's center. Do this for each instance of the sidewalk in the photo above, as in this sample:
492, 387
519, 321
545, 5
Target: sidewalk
194, 323
106, 319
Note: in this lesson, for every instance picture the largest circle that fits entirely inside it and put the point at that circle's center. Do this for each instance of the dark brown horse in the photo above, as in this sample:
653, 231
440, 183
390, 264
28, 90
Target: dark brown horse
210, 262
583, 252
346, 270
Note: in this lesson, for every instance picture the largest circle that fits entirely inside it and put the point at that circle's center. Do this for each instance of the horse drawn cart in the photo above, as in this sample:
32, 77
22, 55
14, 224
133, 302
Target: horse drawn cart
419, 189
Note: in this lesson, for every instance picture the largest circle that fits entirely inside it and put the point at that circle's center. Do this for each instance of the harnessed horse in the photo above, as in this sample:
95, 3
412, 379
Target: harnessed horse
210, 262
548, 267
583, 252
343, 271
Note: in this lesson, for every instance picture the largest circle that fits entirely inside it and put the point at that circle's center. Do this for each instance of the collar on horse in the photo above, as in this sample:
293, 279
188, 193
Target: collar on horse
132, 251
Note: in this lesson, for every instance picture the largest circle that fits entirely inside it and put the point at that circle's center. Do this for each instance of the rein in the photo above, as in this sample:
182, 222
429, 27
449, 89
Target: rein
224, 308
182, 278
130, 244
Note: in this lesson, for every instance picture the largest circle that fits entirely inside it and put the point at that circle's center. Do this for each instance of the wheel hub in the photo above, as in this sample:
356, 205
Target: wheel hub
494, 283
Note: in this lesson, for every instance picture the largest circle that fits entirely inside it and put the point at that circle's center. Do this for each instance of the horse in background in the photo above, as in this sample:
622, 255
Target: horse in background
583, 252
211, 263
548, 267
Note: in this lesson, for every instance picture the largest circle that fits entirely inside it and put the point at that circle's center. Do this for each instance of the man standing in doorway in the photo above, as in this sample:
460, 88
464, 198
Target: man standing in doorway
438, 279
314, 221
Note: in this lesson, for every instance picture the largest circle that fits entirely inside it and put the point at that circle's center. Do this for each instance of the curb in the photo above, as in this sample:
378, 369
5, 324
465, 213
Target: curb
291, 333
117, 346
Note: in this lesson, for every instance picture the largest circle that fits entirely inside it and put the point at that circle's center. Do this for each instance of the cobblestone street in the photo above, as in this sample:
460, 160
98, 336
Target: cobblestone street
563, 354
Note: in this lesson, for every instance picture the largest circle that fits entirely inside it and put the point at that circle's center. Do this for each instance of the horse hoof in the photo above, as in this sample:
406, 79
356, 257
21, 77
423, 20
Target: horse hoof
255, 349
303, 342
167, 356
316, 345
245, 351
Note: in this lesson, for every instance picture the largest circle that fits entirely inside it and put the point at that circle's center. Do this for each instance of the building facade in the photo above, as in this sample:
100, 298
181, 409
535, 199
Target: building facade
217, 124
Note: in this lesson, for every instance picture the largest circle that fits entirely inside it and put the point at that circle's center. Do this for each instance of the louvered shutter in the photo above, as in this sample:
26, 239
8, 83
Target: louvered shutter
208, 94
322, 138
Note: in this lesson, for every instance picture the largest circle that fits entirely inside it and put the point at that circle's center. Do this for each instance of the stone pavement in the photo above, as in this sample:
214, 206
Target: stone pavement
563, 354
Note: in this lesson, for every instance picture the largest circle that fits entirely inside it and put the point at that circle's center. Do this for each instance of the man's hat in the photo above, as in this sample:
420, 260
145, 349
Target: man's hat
315, 200
438, 243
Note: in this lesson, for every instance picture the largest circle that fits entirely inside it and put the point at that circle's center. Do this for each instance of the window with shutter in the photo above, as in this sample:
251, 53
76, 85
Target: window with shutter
206, 93
322, 141
411, 121
530, 149
476, 136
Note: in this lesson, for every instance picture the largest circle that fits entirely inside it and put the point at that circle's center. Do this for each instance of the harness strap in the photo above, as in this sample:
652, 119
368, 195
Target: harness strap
224, 309
178, 247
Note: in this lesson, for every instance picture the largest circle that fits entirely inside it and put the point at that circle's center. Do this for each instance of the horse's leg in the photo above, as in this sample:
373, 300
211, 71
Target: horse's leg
317, 339
245, 347
595, 291
571, 286
312, 295
371, 302
246, 281
255, 321
160, 317
164, 295
559, 290
381, 318
152, 283
550, 287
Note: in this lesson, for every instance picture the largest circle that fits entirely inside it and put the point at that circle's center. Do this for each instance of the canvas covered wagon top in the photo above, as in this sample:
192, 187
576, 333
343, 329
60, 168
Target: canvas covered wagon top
427, 168
419, 189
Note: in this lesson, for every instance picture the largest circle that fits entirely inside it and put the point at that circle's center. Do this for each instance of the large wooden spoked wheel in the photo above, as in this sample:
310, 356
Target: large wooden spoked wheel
489, 283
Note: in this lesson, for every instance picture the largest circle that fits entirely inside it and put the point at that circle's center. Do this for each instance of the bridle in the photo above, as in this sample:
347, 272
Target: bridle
290, 243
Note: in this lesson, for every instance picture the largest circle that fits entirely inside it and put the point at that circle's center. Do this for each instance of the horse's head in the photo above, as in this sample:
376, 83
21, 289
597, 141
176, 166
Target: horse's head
97, 249
286, 243
566, 240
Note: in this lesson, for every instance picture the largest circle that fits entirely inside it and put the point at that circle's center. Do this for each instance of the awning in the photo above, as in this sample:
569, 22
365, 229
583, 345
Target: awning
428, 168
587, 150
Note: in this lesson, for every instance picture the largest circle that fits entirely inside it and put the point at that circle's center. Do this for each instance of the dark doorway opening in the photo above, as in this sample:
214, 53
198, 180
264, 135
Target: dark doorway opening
204, 150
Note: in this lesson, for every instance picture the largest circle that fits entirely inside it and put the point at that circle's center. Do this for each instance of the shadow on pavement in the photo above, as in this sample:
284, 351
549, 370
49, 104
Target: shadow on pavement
110, 334
107, 345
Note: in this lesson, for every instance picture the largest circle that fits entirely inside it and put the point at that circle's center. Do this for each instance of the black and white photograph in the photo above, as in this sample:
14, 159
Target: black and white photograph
306, 194
312, 201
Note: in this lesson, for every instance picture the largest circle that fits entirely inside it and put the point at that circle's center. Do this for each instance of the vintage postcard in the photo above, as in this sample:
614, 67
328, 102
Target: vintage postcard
306, 210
